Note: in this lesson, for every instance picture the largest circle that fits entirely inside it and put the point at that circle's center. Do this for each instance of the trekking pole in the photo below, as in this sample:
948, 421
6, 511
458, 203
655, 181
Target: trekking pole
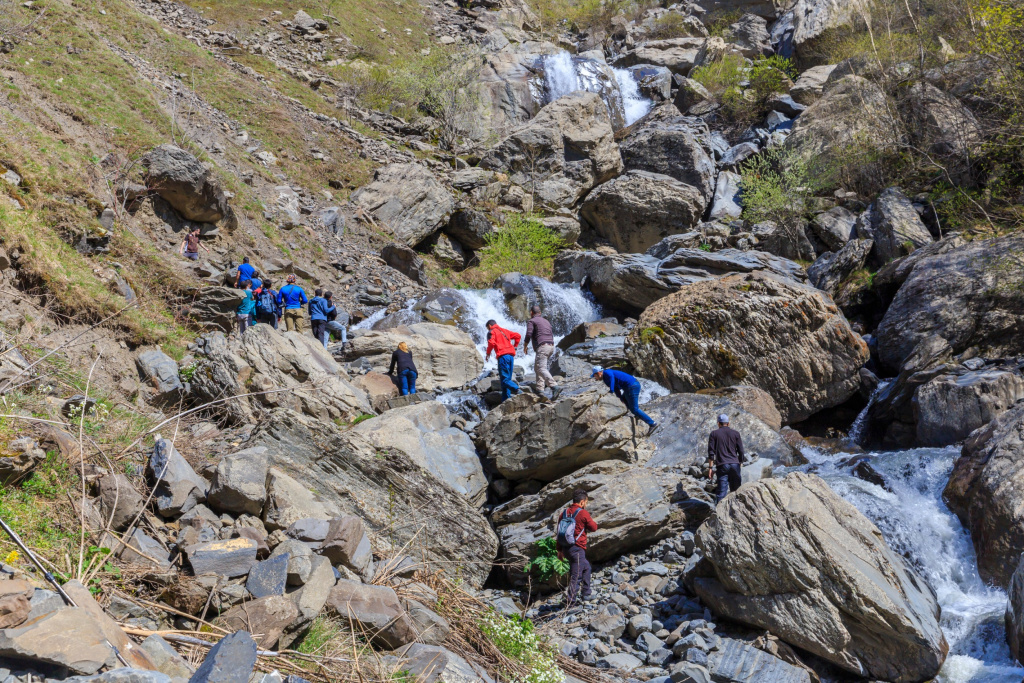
52, 580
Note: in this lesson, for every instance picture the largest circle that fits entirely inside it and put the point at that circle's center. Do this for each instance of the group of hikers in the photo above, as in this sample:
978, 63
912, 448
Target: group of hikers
264, 305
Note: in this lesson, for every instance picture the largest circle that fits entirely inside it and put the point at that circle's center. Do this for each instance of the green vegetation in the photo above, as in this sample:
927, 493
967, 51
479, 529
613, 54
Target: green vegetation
546, 561
719, 21
516, 639
322, 632
724, 79
671, 25
649, 334
775, 185
522, 245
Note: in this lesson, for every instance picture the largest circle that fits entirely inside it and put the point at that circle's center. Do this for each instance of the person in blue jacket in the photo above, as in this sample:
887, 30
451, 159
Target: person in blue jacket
627, 388
319, 309
292, 298
244, 272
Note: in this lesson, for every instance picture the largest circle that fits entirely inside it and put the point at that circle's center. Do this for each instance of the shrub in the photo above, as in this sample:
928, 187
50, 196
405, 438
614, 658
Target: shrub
517, 640
718, 22
522, 245
722, 76
671, 25
775, 185
546, 561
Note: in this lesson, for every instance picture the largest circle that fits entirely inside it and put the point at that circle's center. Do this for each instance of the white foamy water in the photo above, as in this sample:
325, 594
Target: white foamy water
917, 524
560, 77
563, 75
634, 104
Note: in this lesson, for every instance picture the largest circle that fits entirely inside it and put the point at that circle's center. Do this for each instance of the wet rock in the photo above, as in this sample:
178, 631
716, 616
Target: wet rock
231, 660
178, 488
184, 183
374, 609
230, 558
1014, 618
161, 372
407, 200
949, 407
655, 82
240, 483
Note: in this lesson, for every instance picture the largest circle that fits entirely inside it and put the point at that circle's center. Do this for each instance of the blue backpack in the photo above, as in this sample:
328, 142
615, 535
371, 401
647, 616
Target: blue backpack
566, 535
266, 302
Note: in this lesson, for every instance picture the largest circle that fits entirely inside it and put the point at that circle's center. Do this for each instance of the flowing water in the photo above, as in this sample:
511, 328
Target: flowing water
634, 103
917, 524
564, 74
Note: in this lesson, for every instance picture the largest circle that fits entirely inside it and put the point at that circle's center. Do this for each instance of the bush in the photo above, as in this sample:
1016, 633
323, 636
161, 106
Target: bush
522, 245
775, 186
671, 25
765, 77
517, 640
546, 561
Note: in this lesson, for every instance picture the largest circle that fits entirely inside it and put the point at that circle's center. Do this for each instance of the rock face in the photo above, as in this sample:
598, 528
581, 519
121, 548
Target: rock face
678, 55
984, 491
638, 209
407, 201
634, 508
216, 307
828, 272
632, 282
265, 359
563, 152
445, 356
669, 144
950, 407
948, 128
423, 432
894, 226
184, 183
1014, 620
348, 472
790, 556
970, 296
718, 333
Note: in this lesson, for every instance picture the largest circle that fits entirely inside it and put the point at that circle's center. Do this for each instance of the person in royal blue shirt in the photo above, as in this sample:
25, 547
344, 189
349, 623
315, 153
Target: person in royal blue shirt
627, 388
244, 272
292, 298
319, 308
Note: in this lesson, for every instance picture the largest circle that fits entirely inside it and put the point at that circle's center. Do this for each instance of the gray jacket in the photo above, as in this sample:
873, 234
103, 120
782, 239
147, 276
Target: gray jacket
538, 330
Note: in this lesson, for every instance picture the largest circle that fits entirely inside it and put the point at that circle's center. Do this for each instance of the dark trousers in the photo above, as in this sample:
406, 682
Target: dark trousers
408, 381
320, 331
631, 397
268, 318
579, 574
505, 367
729, 480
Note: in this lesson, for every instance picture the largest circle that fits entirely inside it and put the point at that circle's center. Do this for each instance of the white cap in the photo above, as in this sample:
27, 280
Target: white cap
723, 419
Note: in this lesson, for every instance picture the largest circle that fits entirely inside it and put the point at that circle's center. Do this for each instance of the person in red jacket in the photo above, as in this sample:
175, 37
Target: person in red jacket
579, 566
503, 343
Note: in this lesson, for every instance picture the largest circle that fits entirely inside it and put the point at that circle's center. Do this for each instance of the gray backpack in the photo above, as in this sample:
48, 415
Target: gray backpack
566, 534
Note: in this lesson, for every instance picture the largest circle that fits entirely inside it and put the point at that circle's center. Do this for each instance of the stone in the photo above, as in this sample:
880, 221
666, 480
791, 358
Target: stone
655, 82
119, 502
231, 660
638, 624
423, 432
608, 622
945, 127
407, 201
288, 502
449, 251
267, 617
691, 94
638, 209
160, 371
230, 558
567, 227
823, 580
300, 560
310, 599
809, 85
15, 607
738, 662
269, 577
666, 143
374, 609
622, 661
310, 530
165, 658
1014, 617
895, 227
122, 675
431, 628
434, 664
725, 204
21, 457
816, 355
348, 544
830, 270
446, 357
678, 55
655, 568
469, 226
834, 227
215, 307
178, 488
240, 483
405, 261
951, 406
789, 241
562, 153
378, 387
184, 183
750, 35
685, 672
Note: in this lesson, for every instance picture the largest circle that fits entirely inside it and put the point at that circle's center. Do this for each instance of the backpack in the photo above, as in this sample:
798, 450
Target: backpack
566, 534
265, 302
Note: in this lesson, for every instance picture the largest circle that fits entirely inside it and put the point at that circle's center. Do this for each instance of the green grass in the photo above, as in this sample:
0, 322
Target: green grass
321, 633
522, 245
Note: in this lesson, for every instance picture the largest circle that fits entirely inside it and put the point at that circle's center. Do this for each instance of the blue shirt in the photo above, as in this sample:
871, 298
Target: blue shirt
620, 379
245, 272
319, 308
291, 296
248, 304
256, 283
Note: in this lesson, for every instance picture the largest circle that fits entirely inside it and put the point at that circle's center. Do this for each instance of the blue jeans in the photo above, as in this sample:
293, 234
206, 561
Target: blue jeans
508, 385
408, 380
631, 397
730, 478
338, 329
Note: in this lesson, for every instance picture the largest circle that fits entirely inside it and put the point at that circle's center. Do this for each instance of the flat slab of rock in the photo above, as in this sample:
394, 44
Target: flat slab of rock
230, 558
737, 662
407, 201
268, 617
269, 577
231, 660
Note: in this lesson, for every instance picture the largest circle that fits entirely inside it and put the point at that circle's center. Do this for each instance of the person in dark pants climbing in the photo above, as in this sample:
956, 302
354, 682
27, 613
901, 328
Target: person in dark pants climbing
504, 344
627, 388
571, 540
725, 451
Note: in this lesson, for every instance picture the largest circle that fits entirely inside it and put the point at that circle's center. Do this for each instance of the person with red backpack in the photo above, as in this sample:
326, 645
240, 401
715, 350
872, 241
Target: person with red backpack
503, 343
571, 540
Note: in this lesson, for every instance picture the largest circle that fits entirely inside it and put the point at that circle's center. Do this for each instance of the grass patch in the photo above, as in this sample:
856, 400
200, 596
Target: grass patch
521, 245
516, 639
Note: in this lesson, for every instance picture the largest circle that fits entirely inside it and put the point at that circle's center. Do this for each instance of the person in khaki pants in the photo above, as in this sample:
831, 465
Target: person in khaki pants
539, 332
292, 298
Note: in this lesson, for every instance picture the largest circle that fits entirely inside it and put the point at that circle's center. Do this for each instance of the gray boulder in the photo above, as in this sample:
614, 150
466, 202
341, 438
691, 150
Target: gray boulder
231, 660
718, 333
119, 502
894, 226
750, 35
160, 371
470, 227
229, 558
638, 209
949, 407
269, 577
446, 357
184, 183
178, 488
216, 307
835, 227
240, 483
376, 610
267, 617
407, 200
405, 261
810, 84
824, 580
668, 144
654, 81
347, 544
830, 269
737, 662
678, 55
288, 501
725, 205
434, 664
945, 127
1014, 618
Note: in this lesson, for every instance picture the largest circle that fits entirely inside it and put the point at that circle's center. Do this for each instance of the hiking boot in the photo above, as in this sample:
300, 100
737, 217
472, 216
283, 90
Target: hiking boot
555, 391
653, 428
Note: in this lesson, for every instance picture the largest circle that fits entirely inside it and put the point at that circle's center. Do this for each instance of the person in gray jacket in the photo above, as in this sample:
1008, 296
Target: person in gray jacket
539, 332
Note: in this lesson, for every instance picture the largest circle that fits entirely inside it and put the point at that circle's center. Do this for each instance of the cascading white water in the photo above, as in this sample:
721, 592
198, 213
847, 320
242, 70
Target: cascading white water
856, 435
563, 75
634, 104
560, 77
917, 524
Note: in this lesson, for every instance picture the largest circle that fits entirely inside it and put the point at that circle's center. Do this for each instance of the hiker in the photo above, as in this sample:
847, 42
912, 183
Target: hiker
291, 298
725, 451
402, 357
338, 327
244, 272
245, 309
503, 343
267, 310
627, 388
539, 332
318, 307
190, 245
571, 540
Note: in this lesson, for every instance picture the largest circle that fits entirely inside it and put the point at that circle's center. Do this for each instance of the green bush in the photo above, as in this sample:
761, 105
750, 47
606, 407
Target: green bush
722, 76
522, 245
546, 561
765, 77
775, 186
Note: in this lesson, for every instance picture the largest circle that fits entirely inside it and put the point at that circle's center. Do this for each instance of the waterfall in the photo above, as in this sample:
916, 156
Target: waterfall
856, 435
634, 104
917, 524
560, 76
564, 74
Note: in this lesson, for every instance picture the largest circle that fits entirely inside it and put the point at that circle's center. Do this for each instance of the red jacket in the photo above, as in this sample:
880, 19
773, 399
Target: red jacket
502, 342
584, 523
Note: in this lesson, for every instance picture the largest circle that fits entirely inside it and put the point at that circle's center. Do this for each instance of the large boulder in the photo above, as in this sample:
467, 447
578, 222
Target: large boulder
216, 307
894, 225
298, 370
949, 407
638, 209
374, 610
985, 491
405, 261
445, 356
750, 35
160, 371
669, 144
835, 227
423, 432
829, 271
720, 333
632, 282
565, 151
944, 126
1014, 618
792, 557
404, 506
633, 507
971, 296
678, 55
810, 84
812, 18
407, 201
184, 183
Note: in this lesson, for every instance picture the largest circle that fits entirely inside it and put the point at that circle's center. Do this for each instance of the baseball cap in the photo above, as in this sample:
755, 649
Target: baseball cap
597, 369
723, 418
